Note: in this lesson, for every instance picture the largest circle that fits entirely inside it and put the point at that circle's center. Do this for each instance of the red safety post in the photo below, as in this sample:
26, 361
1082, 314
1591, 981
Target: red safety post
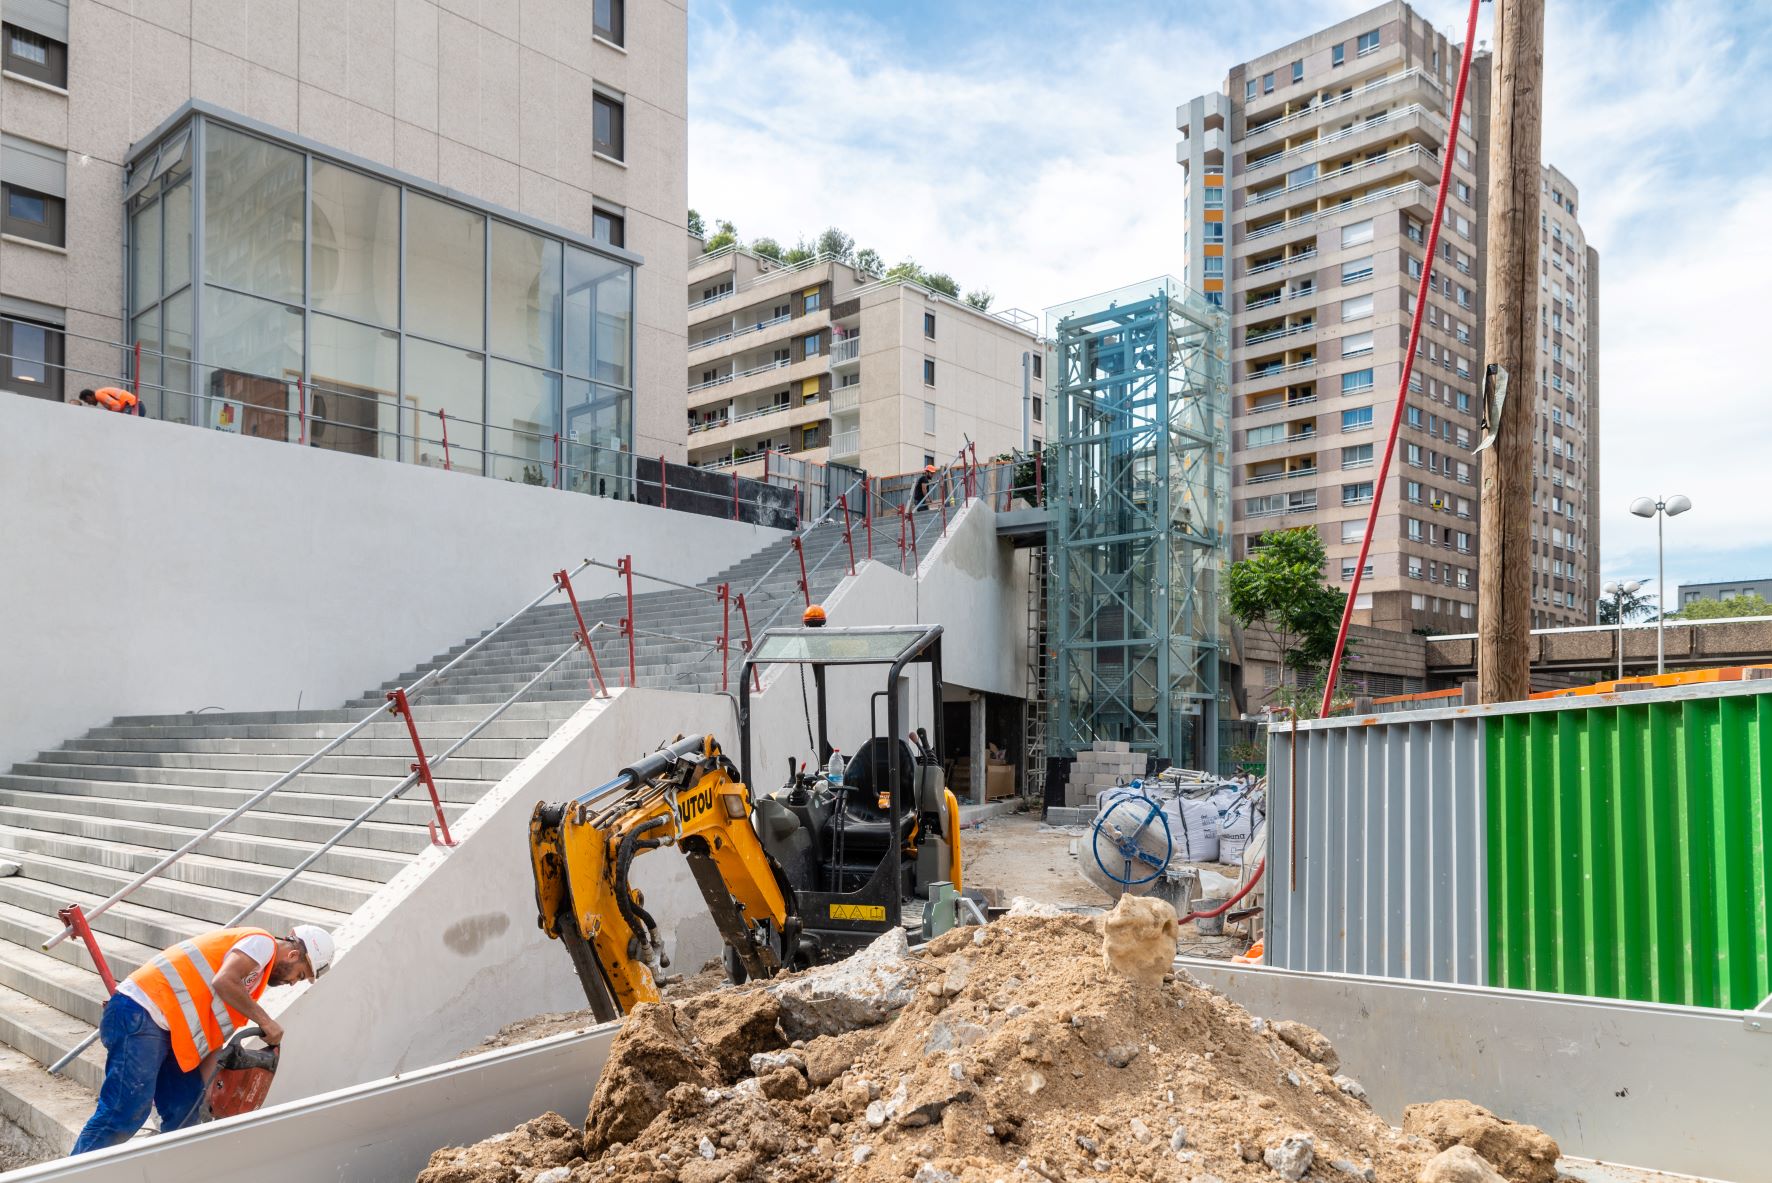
901, 537
744, 614
444, 420
75, 918
439, 827
848, 534
624, 567
805, 588
915, 558
724, 595
563, 581
664, 488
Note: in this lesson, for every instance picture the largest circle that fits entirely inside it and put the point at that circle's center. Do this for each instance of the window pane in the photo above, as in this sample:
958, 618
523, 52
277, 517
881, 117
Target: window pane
175, 401
443, 378
525, 295
599, 309
606, 126
177, 253
522, 422
356, 248
599, 424
353, 388
445, 271
609, 20
145, 331
253, 351
609, 228
252, 232
144, 256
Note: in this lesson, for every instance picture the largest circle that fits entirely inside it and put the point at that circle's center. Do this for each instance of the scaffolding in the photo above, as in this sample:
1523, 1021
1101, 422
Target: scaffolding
1139, 495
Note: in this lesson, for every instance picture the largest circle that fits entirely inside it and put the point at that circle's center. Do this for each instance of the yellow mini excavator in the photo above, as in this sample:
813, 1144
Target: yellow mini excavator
808, 873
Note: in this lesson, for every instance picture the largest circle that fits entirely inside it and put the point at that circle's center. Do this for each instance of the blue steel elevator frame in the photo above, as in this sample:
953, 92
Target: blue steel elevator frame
1139, 496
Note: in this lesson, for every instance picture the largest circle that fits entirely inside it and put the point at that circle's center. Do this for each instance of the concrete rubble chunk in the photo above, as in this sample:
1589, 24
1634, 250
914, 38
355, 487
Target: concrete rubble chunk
1139, 939
1351, 1087
1290, 1157
1309, 1043
1458, 1164
861, 991
1519, 1153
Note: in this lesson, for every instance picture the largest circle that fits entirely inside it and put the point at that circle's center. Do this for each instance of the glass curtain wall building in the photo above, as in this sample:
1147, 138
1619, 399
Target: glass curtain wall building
279, 290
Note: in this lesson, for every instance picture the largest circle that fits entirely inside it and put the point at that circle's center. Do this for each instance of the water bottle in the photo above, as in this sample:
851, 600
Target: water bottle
834, 768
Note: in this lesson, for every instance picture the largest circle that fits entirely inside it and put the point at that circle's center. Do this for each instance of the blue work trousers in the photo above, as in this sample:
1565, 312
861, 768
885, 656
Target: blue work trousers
141, 1073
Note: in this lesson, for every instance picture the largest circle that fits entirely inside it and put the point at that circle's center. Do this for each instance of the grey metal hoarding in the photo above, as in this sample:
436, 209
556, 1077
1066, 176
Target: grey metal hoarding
1387, 874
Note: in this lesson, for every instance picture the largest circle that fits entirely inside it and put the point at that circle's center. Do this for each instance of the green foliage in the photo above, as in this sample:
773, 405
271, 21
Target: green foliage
800, 252
768, 248
869, 263
725, 235
1748, 605
1280, 589
696, 226
980, 298
906, 270
940, 281
1637, 606
834, 242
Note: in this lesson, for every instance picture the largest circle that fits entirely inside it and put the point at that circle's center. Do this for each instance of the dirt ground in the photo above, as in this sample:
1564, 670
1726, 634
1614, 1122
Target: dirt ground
709, 977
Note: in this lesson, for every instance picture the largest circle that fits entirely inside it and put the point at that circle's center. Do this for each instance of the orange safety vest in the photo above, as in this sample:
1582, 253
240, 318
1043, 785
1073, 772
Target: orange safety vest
114, 398
181, 981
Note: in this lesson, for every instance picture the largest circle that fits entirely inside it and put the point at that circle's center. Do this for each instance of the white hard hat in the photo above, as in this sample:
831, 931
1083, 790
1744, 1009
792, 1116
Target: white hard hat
317, 943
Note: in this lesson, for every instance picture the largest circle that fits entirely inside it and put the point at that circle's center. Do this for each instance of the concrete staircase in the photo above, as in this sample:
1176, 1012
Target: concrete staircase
83, 819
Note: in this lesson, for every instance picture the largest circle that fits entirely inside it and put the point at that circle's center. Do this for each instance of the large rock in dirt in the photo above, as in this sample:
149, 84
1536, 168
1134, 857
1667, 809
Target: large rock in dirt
545, 1144
1138, 939
1458, 1164
1520, 1153
859, 991
649, 1057
731, 1026
1310, 1043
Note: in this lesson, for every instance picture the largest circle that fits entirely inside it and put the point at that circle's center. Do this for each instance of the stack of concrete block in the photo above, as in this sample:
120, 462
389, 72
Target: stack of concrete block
1102, 766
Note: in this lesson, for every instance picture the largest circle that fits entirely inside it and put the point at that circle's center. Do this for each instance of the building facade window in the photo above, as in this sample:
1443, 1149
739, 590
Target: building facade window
809, 345
929, 325
1214, 197
928, 418
33, 189
1356, 344
1249, 90
609, 21
1354, 270
609, 227
1298, 71
30, 357
1356, 419
1357, 494
1214, 232
1368, 43
321, 303
608, 130
1214, 266
1355, 382
1337, 55
1357, 456
929, 371
34, 55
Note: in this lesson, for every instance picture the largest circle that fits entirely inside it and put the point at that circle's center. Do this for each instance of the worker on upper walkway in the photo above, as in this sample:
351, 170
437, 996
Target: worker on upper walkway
165, 1024
111, 398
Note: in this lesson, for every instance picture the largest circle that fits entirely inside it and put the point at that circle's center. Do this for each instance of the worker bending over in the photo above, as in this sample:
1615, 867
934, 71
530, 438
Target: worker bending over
167, 1021
111, 398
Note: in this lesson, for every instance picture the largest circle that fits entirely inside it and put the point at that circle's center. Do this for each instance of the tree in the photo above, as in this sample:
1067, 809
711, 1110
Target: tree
942, 282
767, 247
800, 252
1752, 604
1637, 606
907, 270
980, 298
726, 234
869, 263
1280, 589
696, 226
834, 242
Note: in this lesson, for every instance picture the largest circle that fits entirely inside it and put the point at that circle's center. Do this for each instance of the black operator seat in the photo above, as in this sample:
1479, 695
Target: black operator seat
866, 776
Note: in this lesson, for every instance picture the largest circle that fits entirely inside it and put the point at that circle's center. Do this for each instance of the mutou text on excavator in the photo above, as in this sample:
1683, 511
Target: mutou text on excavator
807, 873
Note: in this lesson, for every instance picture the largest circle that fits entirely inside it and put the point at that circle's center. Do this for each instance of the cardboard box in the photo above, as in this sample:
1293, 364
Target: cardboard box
999, 780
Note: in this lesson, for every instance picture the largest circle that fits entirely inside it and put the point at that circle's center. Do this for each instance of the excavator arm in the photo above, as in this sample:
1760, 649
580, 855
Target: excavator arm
688, 795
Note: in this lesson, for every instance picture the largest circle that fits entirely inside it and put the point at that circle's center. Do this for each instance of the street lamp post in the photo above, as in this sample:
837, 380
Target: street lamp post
1618, 591
1657, 509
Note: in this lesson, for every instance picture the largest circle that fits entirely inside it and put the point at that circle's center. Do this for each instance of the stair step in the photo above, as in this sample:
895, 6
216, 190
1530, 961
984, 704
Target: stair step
44, 1034
399, 825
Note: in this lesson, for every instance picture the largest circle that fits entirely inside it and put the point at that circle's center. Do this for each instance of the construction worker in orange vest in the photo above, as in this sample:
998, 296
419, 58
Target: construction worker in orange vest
170, 1017
111, 398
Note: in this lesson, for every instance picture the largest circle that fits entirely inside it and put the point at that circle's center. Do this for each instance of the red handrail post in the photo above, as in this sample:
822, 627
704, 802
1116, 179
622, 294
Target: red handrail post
624, 567
664, 488
744, 614
848, 534
915, 557
901, 543
805, 588
440, 825
563, 581
444, 420
75, 918
724, 595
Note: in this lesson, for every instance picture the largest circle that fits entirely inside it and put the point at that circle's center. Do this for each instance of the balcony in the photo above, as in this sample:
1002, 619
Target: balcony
1273, 368
1355, 97
1275, 265
1270, 478
759, 326
845, 399
1264, 302
1307, 218
846, 444
845, 350
1257, 408
1414, 156
1276, 334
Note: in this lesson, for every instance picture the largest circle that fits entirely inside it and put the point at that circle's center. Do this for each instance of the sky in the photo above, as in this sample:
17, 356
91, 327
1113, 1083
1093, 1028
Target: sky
1029, 149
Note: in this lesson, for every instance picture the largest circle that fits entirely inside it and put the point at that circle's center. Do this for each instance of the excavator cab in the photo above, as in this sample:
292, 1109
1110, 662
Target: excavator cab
806, 873
855, 849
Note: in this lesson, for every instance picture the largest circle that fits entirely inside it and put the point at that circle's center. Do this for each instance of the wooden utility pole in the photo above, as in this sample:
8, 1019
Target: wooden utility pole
1505, 563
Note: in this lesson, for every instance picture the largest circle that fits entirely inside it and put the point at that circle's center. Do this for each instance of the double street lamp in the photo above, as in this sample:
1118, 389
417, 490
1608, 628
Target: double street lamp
1673, 506
1618, 591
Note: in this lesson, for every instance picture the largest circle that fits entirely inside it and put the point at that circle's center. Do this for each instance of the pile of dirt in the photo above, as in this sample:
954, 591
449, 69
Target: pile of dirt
1029, 1049
711, 976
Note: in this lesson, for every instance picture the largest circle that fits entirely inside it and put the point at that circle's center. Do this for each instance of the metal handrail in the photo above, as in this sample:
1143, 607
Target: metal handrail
418, 687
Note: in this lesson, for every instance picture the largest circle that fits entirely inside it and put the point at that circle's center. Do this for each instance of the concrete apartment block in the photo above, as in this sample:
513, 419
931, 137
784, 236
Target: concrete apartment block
497, 104
829, 364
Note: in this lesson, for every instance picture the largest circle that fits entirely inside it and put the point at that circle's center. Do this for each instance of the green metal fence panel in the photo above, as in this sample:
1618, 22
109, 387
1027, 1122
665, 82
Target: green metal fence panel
1630, 850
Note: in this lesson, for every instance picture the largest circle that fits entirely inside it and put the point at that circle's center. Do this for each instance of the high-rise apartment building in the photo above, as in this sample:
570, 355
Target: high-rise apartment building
1310, 184
357, 226
827, 363
1566, 469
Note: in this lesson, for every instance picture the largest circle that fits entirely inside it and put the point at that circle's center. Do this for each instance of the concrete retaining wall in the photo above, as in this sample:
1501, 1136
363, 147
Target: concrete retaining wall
153, 568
